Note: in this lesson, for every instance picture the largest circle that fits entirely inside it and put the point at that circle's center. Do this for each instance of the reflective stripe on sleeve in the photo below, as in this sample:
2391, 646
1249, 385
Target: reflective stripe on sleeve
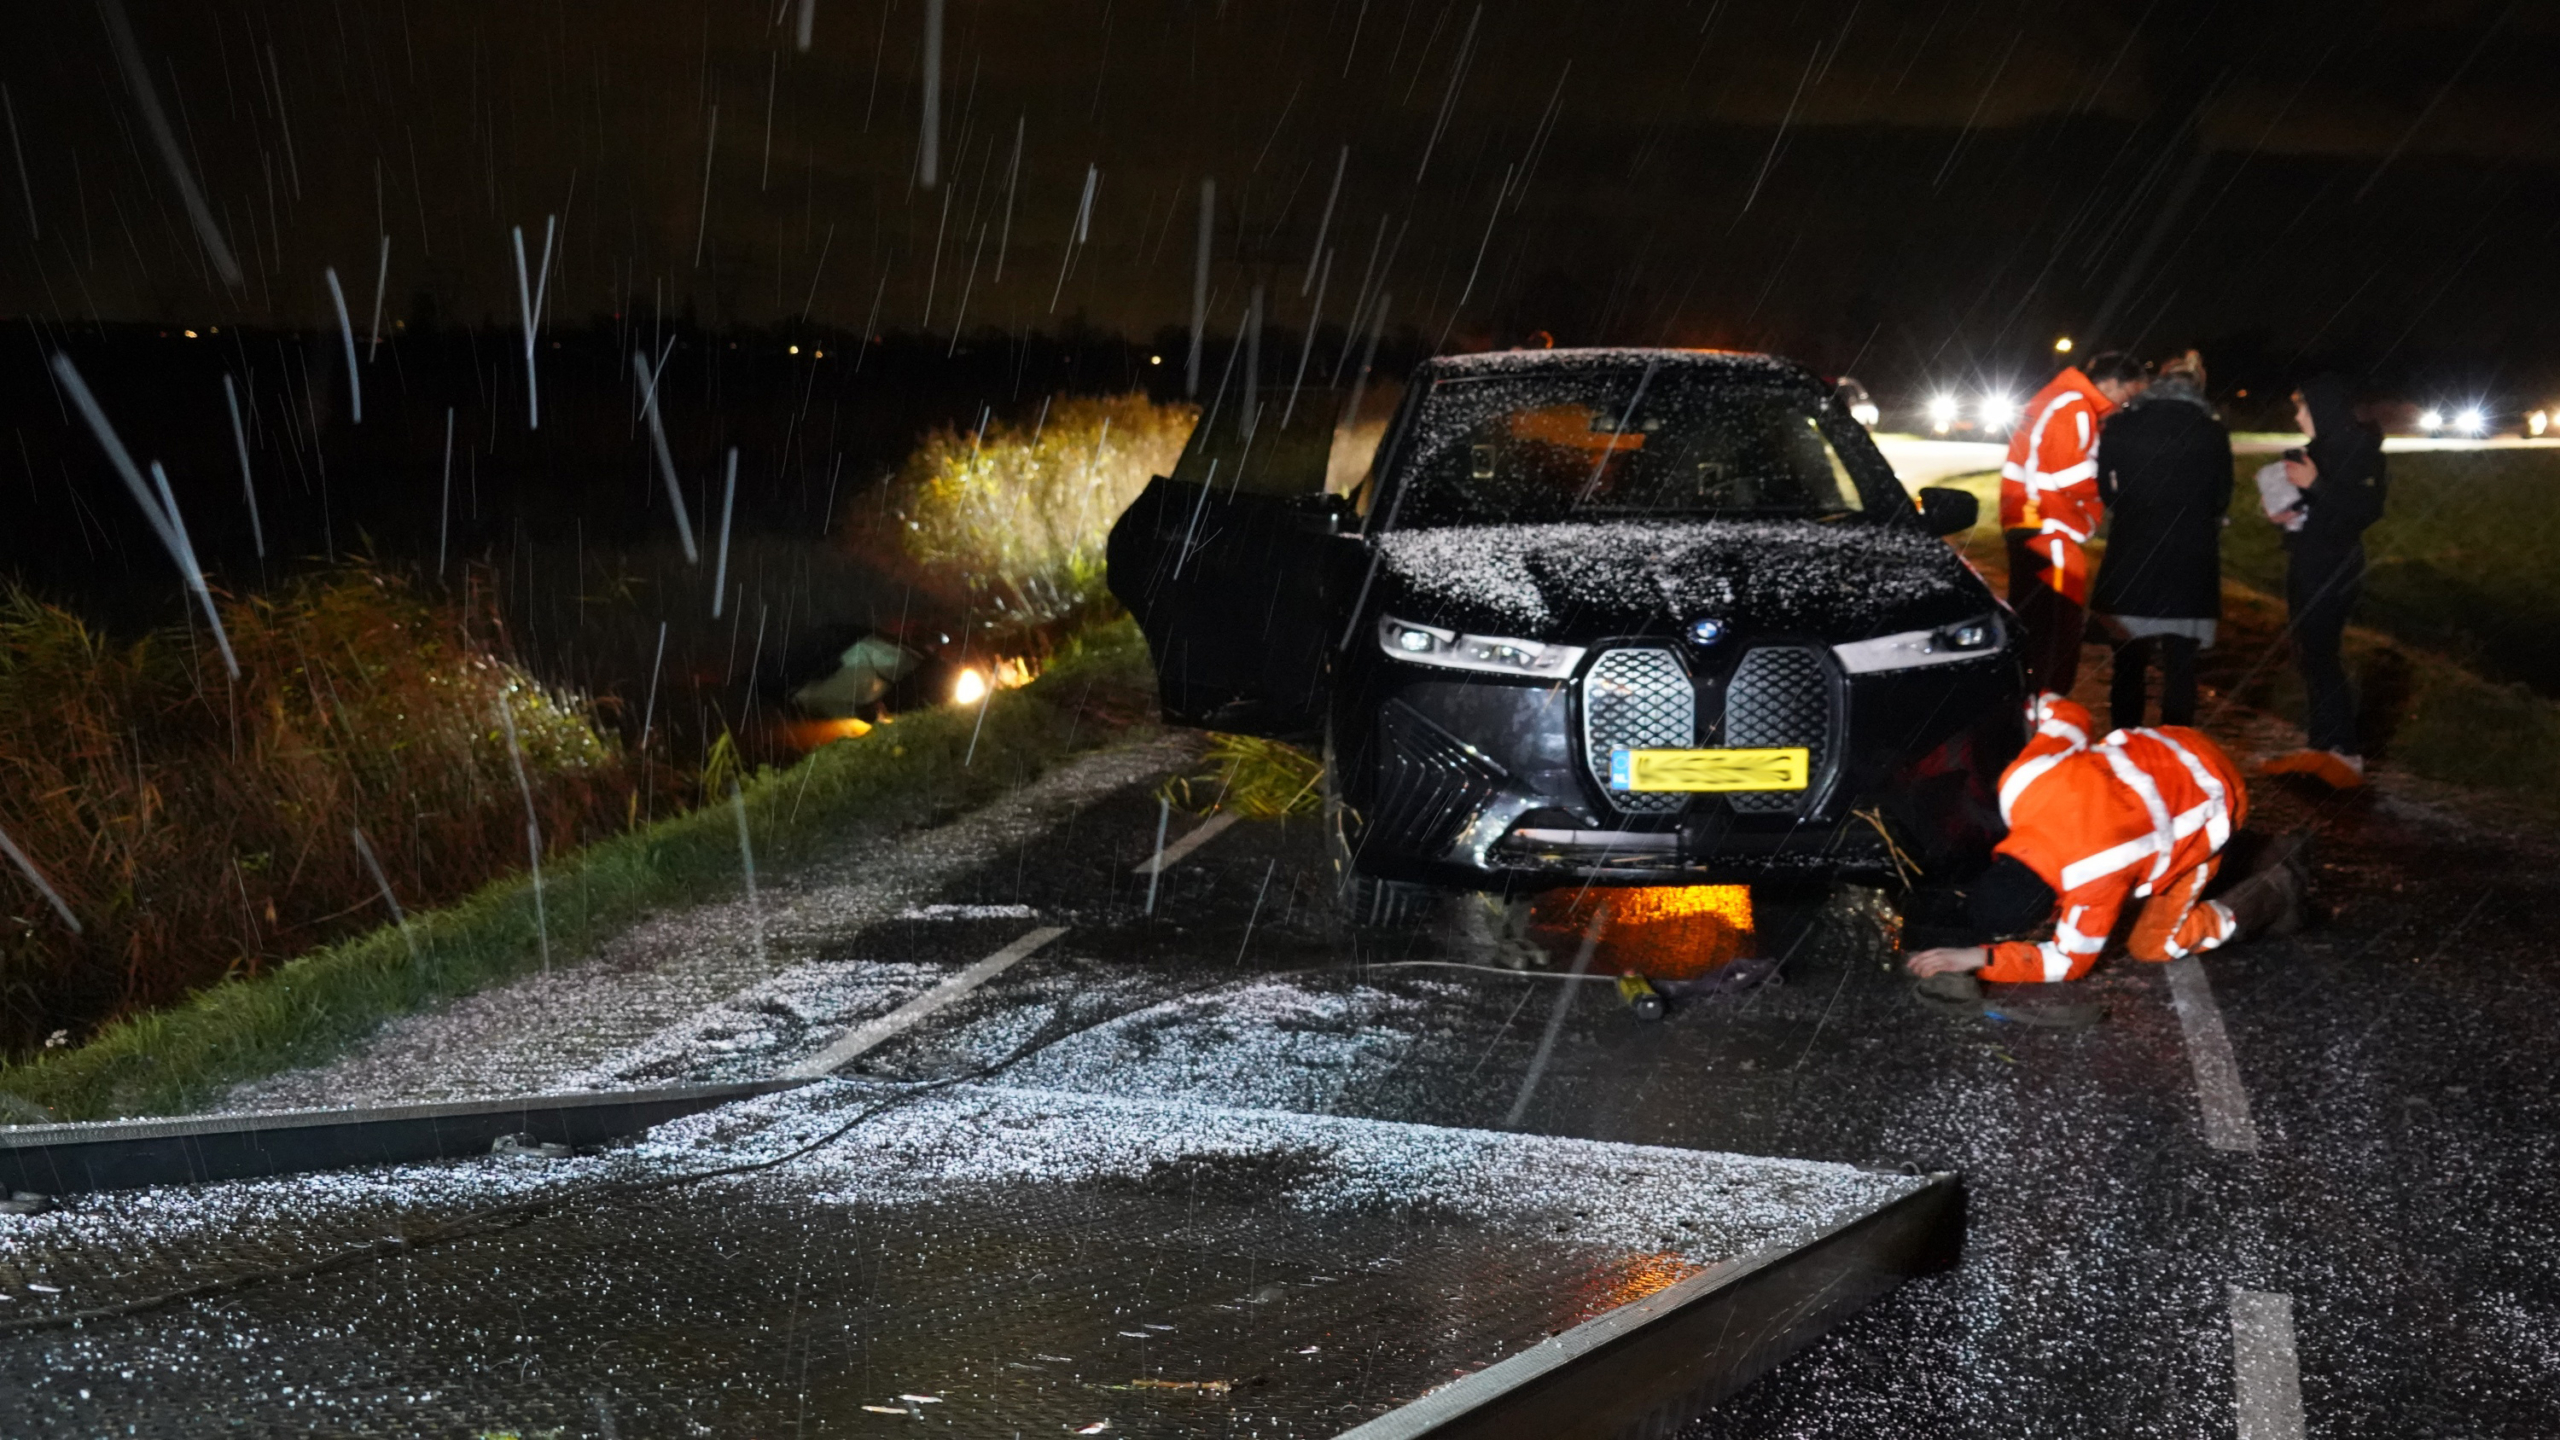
2066, 933
2107, 862
2025, 776
2063, 478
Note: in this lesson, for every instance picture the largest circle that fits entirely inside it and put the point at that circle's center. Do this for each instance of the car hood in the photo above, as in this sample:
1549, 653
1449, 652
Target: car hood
1838, 580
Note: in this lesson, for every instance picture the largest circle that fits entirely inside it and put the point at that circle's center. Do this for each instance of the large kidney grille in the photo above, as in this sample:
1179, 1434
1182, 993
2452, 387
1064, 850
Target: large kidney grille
1638, 699
1641, 698
1780, 695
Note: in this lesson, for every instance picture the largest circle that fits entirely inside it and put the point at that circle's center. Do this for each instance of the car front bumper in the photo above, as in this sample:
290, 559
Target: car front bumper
1493, 784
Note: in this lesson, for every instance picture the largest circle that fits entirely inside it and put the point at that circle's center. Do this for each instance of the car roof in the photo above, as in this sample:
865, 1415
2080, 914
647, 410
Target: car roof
1737, 364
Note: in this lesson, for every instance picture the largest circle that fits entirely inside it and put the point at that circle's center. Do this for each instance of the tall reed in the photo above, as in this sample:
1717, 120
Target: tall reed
1018, 513
200, 828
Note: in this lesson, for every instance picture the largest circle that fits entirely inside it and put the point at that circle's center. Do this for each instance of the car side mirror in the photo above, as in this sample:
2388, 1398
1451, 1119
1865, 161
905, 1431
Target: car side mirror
1948, 511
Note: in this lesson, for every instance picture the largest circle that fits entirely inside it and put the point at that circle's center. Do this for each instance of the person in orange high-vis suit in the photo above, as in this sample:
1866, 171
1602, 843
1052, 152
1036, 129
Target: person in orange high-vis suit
2049, 507
2138, 815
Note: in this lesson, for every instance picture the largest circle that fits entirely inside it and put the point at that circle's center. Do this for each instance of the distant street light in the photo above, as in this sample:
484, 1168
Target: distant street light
2062, 346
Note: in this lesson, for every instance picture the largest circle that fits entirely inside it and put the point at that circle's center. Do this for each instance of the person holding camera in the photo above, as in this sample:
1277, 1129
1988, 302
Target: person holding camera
2328, 493
2164, 470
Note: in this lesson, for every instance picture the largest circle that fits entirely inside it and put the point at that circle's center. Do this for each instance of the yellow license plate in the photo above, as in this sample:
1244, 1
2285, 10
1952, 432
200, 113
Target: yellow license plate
1710, 771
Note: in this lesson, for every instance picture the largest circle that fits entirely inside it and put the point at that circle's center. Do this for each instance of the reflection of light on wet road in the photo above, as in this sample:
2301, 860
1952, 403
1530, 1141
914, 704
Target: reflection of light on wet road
1668, 932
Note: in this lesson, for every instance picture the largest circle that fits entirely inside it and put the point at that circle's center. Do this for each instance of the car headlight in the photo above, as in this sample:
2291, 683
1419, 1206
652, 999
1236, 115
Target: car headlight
1965, 640
1431, 645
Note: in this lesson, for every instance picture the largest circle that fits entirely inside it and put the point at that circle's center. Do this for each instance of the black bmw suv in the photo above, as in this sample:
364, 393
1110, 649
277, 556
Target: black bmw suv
1650, 617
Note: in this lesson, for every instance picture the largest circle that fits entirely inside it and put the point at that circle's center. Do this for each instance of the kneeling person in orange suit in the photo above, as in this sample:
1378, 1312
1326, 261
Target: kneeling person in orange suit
2139, 815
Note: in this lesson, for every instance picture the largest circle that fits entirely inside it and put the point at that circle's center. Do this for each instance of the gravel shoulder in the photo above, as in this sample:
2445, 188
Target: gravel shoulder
670, 984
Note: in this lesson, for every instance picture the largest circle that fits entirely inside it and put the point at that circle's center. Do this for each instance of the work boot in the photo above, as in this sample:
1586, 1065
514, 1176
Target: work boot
2268, 903
2292, 851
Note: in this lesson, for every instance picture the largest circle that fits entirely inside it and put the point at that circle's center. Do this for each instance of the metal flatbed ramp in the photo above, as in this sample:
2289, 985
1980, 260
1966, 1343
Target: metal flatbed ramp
75, 1158
987, 1261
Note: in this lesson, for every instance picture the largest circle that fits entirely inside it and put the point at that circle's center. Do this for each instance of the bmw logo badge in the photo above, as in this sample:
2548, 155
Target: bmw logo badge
1706, 631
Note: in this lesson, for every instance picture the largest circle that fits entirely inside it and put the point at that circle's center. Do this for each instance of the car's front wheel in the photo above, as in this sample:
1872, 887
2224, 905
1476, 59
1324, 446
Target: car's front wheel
1363, 899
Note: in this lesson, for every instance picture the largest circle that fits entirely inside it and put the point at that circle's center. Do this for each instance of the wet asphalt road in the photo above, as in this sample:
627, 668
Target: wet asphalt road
2396, 1062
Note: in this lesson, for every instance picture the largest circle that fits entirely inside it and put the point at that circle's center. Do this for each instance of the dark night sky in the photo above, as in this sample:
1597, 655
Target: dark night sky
1919, 190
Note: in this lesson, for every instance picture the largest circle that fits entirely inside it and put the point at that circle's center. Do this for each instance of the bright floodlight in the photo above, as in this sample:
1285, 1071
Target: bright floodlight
2471, 421
969, 688
1997, 411
2062, 346
1866, 413
2432, 420
1942, 413
2538, 421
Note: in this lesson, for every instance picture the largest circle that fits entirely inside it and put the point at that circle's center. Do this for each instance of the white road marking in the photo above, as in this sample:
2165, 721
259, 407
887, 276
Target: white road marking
1175, 853
2227, 1125
2266, 1374
835, 1057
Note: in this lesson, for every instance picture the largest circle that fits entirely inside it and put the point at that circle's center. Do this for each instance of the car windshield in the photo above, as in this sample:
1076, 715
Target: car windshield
1615, 443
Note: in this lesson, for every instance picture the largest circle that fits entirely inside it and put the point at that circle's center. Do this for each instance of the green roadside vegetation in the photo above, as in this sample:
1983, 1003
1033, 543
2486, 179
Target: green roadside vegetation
926, 767
2466, 561
2462, 588
211, 874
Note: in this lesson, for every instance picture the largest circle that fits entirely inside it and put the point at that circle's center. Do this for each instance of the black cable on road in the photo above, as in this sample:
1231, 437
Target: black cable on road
492, 1218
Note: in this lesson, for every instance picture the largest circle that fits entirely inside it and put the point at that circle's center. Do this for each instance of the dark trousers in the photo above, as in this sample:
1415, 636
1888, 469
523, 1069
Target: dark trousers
2053, 621
2320, 590
2177, 680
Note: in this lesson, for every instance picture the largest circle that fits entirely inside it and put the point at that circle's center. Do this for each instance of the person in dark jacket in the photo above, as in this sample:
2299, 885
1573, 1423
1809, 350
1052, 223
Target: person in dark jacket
2164, 470
2343, 484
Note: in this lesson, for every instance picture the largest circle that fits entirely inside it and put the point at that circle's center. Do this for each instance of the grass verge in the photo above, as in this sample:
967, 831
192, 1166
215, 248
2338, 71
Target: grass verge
2417, 709
2459, 564
924, 768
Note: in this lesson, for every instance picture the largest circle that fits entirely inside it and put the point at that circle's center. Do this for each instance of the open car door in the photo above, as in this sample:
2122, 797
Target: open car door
1230, 566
